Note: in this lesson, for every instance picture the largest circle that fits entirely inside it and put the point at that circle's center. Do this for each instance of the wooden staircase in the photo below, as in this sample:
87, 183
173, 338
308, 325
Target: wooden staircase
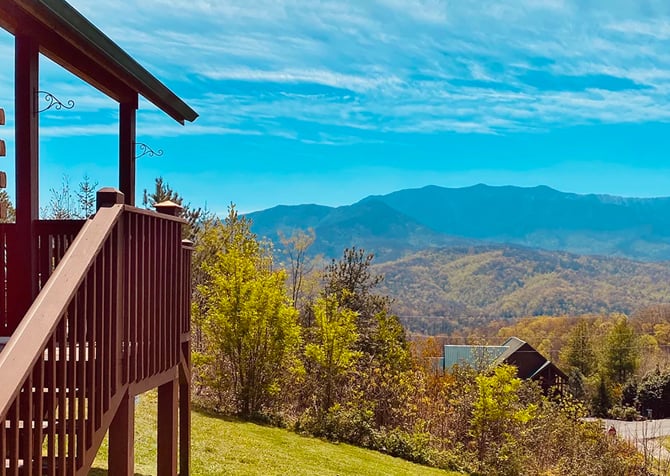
111, 322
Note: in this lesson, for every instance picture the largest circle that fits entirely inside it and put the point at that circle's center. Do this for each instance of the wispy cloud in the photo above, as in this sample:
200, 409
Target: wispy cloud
410, 66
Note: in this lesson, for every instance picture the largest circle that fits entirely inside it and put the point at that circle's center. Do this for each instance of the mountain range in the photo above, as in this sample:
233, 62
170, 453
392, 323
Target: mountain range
538, 217
482, 252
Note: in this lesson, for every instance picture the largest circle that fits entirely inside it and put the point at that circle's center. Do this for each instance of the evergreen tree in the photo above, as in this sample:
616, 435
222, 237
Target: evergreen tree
162, 192
621, 352
9, 206
352, 282
578, 352
86, 196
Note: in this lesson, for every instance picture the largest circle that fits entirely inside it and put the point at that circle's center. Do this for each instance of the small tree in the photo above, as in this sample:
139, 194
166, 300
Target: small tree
351, 280
195, 217
86, 196
62, 203
621, 352
295, 248
498, 415
578, 352
332, 351
250, 325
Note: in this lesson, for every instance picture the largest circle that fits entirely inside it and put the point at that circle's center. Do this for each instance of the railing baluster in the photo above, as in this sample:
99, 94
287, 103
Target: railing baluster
99, 329
153, 304
26, 418
61, 425
51, 404
132, 273
38, 434
91, 376
71, 391
82, 434
161, 291
13, 440
146, 318
108, 313
116, 305
3, 448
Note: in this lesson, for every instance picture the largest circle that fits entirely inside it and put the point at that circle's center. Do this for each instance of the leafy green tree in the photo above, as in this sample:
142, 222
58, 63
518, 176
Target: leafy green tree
578, 352
251, 329
380, 382
621, 352
331, 352
601, 400
498, 415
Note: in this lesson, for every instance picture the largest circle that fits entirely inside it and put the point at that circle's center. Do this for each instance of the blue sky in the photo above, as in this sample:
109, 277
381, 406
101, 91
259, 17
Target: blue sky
306, 101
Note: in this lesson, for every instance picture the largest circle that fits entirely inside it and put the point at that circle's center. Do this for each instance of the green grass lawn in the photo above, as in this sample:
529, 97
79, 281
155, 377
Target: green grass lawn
222, 446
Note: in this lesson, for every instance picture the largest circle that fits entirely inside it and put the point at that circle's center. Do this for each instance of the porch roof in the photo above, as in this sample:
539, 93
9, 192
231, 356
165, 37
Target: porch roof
69, 39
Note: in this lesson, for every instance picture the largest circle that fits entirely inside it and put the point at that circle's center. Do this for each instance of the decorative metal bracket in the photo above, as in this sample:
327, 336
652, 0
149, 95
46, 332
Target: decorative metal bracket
53, 102
144, 149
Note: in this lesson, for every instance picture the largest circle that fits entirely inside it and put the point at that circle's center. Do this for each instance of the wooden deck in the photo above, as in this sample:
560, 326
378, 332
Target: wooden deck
110, 322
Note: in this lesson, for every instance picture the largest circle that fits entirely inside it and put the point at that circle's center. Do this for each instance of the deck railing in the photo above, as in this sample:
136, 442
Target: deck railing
109, 322
53, 238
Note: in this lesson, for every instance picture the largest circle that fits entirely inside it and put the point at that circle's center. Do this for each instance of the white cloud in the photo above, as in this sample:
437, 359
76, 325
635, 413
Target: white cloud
422, 66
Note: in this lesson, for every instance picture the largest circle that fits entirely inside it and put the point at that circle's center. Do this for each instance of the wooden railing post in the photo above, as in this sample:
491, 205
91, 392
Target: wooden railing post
185, 411
168, 208
185, 359
121, 455
109, 196
167, 429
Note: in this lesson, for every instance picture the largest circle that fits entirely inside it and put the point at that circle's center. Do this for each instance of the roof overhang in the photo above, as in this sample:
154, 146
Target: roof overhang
69, 39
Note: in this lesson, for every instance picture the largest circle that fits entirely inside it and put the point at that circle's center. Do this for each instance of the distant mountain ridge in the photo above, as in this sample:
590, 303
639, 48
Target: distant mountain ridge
539, 217
505, 281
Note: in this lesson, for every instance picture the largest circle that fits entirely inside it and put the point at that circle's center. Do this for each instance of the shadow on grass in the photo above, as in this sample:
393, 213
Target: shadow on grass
103, 472
214, 414
259, 420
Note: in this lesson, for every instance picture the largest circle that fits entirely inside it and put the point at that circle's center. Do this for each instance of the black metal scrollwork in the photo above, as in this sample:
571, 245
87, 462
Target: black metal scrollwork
53, 102
144, 149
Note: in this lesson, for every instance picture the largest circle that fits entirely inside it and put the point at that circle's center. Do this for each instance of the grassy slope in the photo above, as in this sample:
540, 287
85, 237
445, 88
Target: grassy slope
232, 447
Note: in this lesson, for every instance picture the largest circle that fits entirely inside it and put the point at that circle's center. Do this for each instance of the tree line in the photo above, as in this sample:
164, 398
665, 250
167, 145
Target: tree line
320, 352
315, 348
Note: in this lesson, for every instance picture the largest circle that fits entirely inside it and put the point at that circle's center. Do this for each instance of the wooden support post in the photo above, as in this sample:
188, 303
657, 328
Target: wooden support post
185, 412
127, 139
167, 429
23, 282
121, 454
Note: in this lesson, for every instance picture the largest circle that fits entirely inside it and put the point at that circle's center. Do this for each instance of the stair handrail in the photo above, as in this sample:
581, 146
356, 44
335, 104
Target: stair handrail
27, 343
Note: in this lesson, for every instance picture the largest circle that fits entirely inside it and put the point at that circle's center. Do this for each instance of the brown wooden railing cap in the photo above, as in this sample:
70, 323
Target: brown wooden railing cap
168, 207
109, 196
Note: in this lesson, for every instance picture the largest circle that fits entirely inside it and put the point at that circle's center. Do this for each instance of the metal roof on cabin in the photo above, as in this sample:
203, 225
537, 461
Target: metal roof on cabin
511, 345
72, 41
471, 354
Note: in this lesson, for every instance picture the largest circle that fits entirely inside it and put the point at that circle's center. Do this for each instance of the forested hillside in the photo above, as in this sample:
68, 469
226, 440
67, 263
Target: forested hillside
475, 284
